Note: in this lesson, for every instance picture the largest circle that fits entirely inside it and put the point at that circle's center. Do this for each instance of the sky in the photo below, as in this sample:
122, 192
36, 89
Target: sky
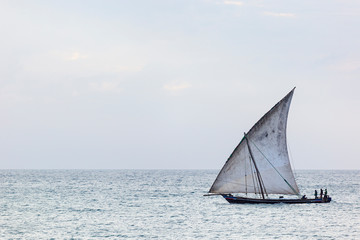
167, 84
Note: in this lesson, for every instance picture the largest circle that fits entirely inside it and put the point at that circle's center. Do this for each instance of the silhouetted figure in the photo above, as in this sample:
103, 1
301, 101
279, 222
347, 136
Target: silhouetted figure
321, 193
325, 195
315, 194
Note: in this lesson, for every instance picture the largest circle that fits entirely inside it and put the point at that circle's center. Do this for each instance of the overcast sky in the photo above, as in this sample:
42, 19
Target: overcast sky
175, 84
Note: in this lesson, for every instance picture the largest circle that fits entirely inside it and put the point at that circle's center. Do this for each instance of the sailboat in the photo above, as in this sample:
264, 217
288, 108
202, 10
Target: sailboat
259, 167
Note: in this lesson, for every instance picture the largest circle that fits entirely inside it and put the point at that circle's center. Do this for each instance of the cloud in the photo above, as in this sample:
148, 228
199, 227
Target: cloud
128, 68
79, 65
13, 93
75, 93
347, 66
76, 56
273, 14
229, 2
173, 87
106, 87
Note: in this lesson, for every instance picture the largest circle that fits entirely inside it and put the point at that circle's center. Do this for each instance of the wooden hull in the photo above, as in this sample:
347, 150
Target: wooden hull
242, 200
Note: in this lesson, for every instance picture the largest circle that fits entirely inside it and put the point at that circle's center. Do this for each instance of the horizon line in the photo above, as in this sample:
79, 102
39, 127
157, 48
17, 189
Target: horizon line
210, 169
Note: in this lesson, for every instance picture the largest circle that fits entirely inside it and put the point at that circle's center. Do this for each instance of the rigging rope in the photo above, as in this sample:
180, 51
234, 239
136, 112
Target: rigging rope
297, 193
292, 161
252, 174
245, 179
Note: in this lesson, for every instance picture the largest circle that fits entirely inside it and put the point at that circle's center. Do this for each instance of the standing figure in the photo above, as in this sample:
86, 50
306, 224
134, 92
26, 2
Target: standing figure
321, 193
315, 194
325, 195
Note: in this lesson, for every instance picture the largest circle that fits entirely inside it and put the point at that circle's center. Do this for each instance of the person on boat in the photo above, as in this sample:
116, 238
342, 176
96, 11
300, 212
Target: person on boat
321, 193
315, 194
325, 195
304, 197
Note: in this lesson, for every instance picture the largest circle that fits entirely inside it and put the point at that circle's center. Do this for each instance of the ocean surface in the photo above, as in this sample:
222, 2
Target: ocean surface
166, 204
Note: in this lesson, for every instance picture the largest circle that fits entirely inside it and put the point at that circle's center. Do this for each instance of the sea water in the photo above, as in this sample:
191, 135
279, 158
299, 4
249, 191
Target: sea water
166, 204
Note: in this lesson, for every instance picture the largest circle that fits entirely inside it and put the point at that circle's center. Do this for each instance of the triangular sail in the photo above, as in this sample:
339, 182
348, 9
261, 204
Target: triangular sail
267, 142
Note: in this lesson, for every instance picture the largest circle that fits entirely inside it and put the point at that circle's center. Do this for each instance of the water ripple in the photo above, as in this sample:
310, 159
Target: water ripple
166, 204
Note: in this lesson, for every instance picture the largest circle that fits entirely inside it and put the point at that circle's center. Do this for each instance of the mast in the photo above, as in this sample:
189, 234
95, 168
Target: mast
296, 193
256, 168
268, 152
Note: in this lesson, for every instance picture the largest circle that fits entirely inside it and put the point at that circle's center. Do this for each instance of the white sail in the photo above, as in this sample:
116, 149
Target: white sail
267, 142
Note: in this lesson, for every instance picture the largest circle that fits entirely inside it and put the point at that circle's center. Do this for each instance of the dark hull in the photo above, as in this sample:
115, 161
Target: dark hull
242, 200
